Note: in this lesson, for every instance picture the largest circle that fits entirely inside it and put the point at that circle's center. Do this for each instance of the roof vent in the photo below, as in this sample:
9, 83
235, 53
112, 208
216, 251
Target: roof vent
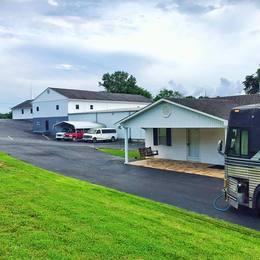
166, 110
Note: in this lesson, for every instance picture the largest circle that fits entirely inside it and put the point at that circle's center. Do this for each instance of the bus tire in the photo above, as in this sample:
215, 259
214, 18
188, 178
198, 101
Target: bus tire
113, 139
94, 140
257, 205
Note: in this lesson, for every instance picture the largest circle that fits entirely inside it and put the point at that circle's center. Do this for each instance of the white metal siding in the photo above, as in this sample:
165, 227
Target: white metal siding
48, 108
109, 119
178, 151
49, 95
84, 105
47, 102
179, 118
17, 113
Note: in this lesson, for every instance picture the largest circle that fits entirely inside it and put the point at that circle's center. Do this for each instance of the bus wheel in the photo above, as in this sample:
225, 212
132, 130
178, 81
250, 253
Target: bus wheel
113, 139
257, 206
94, 140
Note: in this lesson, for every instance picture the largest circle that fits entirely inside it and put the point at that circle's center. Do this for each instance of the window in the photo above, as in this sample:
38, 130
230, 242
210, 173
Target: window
31, 110
57, 107
238, 142
244, 142
91, 107
77, 106
108, 131
162, 136
22, 111
37, 109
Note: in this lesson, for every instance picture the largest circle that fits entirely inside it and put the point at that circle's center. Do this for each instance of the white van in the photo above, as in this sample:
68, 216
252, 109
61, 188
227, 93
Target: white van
100, 134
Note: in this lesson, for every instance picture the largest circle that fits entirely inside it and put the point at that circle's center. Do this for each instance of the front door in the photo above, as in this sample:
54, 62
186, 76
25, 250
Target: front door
193, 142
47, 125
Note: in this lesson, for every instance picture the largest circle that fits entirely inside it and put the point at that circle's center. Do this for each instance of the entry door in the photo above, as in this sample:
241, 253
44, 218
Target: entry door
47, 125
193, 138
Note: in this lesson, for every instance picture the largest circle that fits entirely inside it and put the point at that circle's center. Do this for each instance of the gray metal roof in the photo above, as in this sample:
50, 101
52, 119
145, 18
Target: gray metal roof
100, 95
220, 106
25, 104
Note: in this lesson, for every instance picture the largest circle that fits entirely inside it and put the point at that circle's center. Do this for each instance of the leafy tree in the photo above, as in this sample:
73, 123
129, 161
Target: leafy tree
122, 82
252, 83
6, 116
168, 93
190, 97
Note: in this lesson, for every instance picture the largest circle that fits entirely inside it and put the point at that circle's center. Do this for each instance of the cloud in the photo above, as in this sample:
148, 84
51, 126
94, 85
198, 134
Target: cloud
186, 6
53, 2
186, 45
227, 88
64, 67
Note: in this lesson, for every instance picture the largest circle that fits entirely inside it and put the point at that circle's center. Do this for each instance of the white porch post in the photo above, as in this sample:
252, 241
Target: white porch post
126, 145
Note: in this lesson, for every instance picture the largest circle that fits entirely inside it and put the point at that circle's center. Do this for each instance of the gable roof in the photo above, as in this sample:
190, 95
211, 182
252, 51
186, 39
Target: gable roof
25, 104
100, 95
218, 107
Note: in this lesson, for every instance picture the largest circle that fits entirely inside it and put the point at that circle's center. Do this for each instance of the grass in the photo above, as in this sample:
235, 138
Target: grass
132, 154
48, 216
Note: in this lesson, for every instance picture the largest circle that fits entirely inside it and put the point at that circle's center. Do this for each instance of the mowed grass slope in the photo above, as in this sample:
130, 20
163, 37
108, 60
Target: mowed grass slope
48, 216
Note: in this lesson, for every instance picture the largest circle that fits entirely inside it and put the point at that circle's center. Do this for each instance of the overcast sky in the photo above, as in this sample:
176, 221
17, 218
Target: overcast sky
190, 46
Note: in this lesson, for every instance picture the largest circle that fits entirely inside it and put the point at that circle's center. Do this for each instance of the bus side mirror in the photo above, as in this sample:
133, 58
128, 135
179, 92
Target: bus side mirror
220, 147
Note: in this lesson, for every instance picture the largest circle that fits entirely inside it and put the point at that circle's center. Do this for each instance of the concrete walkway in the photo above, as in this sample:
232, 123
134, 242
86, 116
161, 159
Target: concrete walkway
181, 166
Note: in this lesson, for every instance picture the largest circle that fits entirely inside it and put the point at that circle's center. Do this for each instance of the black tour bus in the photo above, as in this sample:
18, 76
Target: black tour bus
242, 157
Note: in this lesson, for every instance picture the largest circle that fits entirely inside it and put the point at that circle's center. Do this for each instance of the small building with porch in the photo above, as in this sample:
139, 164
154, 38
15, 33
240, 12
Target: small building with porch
186, 129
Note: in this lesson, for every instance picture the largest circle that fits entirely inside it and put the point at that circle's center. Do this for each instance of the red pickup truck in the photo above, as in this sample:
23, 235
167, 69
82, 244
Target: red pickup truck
77, 135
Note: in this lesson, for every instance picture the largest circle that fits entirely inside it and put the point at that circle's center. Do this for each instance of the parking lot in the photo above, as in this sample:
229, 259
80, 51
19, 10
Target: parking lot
80, 160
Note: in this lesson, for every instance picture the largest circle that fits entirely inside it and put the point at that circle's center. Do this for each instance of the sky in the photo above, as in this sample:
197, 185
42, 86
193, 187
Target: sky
195, 47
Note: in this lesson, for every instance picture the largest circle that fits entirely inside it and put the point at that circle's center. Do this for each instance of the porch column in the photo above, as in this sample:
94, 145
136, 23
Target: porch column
126, 145
225, 134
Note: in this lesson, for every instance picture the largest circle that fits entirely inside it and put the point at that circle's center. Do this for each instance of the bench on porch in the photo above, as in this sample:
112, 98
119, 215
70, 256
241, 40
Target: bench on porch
147, 152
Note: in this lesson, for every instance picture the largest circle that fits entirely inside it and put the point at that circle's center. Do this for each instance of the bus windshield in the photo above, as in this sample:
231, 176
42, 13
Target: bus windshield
237, 144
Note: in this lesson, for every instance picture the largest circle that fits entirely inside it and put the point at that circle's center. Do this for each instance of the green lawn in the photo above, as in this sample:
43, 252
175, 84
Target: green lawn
132, 154
47, 216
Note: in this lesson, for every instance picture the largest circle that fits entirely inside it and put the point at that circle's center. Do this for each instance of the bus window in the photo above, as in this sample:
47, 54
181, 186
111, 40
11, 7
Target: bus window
244, 142
235, 142
238, 142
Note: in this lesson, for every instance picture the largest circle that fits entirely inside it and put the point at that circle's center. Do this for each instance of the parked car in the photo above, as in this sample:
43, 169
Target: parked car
101, 134
74, 130
77, 135
60, 136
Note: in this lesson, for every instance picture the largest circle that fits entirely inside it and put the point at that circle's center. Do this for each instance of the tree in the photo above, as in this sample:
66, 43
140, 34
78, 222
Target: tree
6, 116
168, 93
252, 83
122, 82
190, 97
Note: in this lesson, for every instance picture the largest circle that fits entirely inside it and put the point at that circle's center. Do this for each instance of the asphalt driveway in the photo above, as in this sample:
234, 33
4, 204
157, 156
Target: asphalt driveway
192, 192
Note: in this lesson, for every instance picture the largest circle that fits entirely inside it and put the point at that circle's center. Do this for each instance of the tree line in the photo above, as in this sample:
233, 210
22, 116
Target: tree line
123, 82
6, 115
